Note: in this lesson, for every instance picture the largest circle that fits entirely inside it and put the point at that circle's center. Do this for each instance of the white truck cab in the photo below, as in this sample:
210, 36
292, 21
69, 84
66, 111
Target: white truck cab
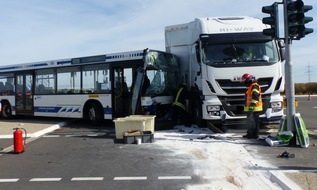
214, 53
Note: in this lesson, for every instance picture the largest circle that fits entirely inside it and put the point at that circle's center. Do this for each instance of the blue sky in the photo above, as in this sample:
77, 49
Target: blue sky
40, 30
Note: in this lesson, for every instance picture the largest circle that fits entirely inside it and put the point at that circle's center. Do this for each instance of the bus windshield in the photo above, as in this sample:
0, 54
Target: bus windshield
240, 53
163, 73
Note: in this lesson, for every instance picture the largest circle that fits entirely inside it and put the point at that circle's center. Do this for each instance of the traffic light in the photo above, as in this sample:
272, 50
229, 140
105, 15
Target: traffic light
296, 19
272, 20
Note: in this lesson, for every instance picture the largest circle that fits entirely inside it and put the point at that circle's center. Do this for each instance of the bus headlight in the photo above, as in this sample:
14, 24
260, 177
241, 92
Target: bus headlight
213, 110
276, 106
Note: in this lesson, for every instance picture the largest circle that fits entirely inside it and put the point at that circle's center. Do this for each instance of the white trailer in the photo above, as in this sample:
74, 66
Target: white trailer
214, 53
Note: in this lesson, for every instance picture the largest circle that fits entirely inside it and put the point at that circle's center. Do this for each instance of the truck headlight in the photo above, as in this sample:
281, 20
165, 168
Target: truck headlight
276, 106
213, 110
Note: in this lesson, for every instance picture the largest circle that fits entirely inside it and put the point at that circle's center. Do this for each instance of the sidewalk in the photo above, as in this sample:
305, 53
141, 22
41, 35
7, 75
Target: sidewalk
34, 129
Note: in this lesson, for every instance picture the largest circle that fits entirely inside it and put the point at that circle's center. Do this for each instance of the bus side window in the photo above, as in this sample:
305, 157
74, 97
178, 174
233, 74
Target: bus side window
41, 89
9, 87
2, 88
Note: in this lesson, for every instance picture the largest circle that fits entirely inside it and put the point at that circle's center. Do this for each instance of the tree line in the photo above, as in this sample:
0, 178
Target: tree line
305, 88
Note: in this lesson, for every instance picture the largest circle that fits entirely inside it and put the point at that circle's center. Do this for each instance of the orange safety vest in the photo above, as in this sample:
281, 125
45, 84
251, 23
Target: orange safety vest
248, 99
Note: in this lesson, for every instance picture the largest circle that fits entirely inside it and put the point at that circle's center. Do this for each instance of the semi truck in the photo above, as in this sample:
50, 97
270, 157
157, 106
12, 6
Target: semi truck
214, 52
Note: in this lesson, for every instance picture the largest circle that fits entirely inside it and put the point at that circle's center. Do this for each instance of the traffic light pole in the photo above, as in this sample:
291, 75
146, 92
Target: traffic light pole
289, 82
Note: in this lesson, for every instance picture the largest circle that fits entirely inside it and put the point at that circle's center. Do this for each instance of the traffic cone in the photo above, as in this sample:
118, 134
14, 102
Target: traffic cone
309, 97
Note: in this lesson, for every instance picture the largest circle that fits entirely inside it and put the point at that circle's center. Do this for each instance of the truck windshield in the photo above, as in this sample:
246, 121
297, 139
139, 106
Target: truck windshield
240, 53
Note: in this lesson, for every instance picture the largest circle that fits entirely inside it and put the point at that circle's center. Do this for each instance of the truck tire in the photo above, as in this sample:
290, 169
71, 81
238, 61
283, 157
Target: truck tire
197, 113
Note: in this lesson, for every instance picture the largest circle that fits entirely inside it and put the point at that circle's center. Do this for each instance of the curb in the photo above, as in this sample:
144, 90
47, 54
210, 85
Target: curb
47, 130
32, 137
284, 182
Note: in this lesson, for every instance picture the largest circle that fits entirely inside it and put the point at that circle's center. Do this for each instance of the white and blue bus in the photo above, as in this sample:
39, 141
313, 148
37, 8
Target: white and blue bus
94, 87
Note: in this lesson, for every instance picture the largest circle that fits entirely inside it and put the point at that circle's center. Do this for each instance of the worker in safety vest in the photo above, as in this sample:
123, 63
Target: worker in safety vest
253, 105
180, 114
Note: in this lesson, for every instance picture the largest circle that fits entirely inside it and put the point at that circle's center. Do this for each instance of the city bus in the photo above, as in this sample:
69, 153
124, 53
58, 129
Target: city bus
93, 87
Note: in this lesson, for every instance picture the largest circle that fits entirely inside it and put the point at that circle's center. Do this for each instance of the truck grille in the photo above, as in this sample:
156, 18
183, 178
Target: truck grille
234, 105
239, 88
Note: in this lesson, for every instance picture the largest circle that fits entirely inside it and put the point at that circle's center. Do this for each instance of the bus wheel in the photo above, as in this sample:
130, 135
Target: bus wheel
95, 114
6, 110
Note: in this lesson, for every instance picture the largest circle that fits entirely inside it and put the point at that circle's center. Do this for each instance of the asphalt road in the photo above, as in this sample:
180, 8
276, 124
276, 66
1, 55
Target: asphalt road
308, 110
305, 160
80, 157
76, 157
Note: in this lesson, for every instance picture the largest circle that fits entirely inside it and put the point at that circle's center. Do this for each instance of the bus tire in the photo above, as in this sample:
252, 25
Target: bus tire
6, 111
95, 113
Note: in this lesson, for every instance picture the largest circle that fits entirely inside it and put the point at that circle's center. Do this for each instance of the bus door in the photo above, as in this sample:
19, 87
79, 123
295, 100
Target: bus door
24, 93
121, 93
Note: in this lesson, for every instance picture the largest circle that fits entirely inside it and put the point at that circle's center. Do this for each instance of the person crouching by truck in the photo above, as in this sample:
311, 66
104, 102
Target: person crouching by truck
253, 106
180, 115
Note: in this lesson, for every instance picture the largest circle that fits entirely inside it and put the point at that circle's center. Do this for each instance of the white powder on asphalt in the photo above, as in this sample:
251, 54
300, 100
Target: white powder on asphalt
219, 159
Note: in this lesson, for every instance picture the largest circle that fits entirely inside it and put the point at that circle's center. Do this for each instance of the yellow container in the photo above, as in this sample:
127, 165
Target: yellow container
122, 125
149, 121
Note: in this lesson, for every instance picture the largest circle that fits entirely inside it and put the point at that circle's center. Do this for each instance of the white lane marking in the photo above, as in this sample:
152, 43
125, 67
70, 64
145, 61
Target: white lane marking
173, 177
51, 136
9, 180
129, 178
72, 136
45, 179
87, 179
93, 135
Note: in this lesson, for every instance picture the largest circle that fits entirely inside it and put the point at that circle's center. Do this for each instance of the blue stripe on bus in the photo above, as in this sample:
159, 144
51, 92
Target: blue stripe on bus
51, 109
37, 65
123, 55
47, 109
63, 62
9, 68
63, 109
107, 110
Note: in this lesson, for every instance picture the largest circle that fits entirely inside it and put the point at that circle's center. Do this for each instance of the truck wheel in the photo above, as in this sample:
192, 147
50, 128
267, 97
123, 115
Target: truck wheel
95, 114
197, 113
6, 110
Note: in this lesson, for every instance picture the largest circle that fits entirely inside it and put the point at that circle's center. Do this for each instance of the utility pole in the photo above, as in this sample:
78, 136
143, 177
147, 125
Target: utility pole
289, 82
309, 72
294, 28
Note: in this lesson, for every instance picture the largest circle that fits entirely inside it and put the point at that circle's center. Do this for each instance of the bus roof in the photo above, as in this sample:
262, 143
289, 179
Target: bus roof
122, 56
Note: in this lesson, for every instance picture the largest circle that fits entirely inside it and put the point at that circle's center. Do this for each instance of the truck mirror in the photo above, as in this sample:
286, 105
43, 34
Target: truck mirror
281, 46
197, 53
